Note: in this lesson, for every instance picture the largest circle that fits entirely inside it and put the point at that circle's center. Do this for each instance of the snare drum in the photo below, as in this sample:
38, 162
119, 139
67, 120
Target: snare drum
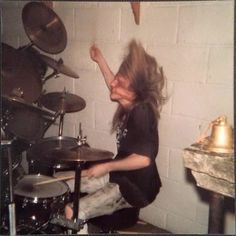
36, 204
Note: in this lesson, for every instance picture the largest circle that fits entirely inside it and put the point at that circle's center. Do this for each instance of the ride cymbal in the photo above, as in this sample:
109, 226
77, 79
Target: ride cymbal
44, 28
78, 154
62, 101
58, 66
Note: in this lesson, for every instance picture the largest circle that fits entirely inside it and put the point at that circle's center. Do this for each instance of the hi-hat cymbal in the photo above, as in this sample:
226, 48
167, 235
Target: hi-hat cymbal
80, 154
58, 66
19, 74
44, 28
62, 101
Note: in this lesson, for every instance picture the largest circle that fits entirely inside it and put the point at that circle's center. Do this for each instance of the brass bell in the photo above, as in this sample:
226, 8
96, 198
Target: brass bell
221, 138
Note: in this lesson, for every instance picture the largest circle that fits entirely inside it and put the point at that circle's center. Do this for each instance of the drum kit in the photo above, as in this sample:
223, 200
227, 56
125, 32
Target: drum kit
34, 203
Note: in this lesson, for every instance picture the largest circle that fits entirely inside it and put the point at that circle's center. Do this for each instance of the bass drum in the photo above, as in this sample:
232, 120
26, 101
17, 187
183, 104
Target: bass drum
24, 120
17, 147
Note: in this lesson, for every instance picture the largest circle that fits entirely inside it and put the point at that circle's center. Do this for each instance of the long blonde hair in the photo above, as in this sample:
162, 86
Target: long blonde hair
147, 80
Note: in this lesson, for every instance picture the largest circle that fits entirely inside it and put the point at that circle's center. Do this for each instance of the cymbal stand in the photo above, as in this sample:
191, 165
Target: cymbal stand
76, 193
61, 123
62, 113
11, 206
75, 224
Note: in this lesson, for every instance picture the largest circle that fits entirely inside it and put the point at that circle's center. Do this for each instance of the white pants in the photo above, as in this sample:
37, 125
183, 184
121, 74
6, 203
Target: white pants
103, 198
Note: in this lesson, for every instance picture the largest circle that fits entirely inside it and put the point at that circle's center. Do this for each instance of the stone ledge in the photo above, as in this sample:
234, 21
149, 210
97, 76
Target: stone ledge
212, 171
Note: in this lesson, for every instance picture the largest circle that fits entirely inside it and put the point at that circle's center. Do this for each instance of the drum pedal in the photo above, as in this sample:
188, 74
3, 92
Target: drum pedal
70, 224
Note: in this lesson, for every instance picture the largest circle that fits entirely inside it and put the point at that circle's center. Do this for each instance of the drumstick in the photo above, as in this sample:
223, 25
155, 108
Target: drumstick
83, 173
54, 180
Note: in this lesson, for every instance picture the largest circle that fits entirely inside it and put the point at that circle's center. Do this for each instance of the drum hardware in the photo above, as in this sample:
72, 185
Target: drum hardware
58, 66
75, 225
64, 103
61, 123
28, 229
11, 206
78, 155
23, 72
17, 92
81, 140
44, 28
53, 74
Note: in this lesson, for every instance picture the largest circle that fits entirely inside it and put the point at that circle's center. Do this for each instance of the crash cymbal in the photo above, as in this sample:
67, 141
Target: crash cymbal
44, 28
63, 101
19, 75
19, 103
58, 66
78, 154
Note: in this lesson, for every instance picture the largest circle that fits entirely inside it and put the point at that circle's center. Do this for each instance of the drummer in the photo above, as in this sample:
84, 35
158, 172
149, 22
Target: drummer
131, 178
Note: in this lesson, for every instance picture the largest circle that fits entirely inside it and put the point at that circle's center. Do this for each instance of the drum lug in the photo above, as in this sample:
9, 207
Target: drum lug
25, 202
45, 204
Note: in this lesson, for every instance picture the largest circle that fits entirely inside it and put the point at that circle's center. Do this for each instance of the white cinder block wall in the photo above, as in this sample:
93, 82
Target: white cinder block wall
193, 41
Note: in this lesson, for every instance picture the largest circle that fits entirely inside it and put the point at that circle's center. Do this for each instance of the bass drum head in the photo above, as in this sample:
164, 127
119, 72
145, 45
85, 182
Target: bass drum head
26, 125
17, 147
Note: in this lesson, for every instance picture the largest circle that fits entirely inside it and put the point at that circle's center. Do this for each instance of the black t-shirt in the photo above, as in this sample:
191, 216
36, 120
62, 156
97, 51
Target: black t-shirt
140, 136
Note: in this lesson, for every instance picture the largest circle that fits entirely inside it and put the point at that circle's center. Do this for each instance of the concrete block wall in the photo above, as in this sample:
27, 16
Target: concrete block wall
193, 41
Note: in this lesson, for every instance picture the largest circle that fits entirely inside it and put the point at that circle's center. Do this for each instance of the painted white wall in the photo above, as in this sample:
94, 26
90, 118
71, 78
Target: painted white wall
193, 41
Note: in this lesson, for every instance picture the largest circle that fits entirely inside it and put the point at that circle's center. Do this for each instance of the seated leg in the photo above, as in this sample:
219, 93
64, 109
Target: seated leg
104, 201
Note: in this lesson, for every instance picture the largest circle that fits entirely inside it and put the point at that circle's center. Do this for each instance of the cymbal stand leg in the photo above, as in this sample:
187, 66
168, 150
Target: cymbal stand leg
11, 206
76, 192
61, 124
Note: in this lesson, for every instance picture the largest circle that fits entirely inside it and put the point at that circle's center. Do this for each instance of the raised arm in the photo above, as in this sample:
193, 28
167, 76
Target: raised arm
97, 56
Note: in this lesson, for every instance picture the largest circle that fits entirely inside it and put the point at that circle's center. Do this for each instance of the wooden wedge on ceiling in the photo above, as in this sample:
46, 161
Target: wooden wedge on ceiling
136, 11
